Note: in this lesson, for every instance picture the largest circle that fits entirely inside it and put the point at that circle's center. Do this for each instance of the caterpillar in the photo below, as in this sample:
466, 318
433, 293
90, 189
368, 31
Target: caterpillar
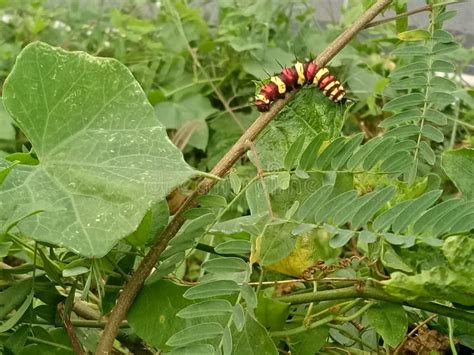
293, 77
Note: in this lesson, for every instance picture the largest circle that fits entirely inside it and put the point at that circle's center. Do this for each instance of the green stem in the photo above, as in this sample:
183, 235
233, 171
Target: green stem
310, 308
211, 250
376, 294
190, 85
306, 326
452, 343
78, 323
352, 337
452, 140
229, 322
41, 341
354, 315
303, 328
464, 123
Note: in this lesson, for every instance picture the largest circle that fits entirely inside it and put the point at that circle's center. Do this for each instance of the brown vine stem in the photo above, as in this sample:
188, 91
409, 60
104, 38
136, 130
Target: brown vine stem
409, 13
418, 327
135, 283
70, 331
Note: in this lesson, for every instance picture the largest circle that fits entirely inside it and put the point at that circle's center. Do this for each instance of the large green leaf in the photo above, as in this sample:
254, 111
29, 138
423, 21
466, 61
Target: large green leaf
271, 313
390, 321
451, 281
311, 341
253, 339
153, 313
459, 165
104, 157
7, 132
310, 112
189, 118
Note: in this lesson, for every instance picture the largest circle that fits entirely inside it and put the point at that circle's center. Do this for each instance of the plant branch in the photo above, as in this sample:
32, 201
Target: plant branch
70, 331
77, 323
376, 294
197, 63
41, 341
420, 325
135, 283
409, 13
394, 18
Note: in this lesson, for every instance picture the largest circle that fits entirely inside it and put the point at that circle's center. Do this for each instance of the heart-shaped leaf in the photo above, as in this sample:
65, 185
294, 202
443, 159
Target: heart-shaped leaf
104, 156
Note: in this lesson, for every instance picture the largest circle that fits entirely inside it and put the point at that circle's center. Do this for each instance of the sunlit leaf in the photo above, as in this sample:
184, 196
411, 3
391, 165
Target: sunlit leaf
414, 35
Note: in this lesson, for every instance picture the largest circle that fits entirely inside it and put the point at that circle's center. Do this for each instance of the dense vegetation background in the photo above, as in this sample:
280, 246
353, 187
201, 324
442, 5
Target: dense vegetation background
346, 228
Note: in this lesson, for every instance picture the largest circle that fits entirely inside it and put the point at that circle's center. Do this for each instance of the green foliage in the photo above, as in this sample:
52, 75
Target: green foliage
330, 195
390, 321
154, 312
118, 178
450, 279
421, 94
458, 165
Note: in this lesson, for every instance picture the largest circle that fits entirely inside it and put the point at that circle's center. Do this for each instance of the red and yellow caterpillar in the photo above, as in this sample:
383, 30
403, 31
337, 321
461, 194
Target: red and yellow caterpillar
294, 77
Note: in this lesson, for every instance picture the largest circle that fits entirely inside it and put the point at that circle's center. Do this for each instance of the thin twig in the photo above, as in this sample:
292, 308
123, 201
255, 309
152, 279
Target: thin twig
409, 13
261, 176
326, 279
52, 344
197, 63
421, 324
71, 333
394, 18
135, 283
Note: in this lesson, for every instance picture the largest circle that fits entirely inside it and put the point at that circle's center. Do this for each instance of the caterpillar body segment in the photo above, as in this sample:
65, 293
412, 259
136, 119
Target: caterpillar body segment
294, 77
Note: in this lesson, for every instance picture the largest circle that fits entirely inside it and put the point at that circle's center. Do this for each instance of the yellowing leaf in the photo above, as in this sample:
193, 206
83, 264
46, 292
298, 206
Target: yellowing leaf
414, 35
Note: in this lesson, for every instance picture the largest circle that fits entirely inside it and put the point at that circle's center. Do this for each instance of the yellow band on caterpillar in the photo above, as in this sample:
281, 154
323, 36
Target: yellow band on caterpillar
319, 74
279, 83
329, 86
300, 70
262, 98
335, 90
339, 98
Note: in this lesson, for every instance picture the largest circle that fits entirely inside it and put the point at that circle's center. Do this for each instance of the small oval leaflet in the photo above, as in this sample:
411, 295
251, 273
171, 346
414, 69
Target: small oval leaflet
211, 289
